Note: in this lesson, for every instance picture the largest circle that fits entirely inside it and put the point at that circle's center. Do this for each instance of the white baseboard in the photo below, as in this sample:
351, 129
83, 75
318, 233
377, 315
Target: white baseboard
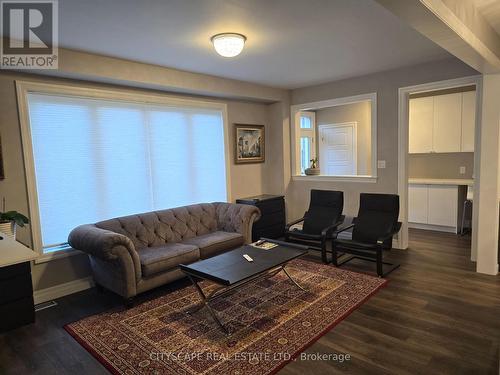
437, 228
61, 290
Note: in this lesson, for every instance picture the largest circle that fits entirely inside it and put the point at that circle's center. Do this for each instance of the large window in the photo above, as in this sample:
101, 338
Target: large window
95, 159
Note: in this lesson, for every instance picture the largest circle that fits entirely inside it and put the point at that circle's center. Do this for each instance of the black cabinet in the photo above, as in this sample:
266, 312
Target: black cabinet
16, 296
272, 221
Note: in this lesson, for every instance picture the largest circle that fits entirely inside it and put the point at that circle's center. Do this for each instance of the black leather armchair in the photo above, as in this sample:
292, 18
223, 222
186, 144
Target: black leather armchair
319, 222
372, 232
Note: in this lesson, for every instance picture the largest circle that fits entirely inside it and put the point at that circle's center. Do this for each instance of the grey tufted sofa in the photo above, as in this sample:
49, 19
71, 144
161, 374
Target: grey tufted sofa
132, 254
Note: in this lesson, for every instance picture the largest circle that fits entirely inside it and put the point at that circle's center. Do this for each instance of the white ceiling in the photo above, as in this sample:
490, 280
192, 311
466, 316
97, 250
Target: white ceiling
490, 9
291, 43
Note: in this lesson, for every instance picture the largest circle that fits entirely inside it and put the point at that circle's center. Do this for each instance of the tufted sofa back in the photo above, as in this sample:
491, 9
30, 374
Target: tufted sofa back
159, 227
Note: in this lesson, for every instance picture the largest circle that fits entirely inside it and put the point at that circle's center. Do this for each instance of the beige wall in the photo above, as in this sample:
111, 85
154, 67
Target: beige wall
445, 165
386, 85
247, 179
355, 112
273, 176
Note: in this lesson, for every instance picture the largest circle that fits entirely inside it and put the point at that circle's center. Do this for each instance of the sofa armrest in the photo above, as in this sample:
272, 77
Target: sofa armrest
239, 218
104, 245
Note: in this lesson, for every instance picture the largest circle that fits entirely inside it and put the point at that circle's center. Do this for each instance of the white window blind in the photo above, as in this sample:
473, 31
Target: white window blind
98, 159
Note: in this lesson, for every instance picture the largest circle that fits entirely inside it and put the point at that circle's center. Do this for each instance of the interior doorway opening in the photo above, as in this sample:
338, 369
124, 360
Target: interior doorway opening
438, 154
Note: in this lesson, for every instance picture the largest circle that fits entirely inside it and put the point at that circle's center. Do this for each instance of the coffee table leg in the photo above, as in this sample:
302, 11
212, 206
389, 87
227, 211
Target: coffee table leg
291, 279
204, 302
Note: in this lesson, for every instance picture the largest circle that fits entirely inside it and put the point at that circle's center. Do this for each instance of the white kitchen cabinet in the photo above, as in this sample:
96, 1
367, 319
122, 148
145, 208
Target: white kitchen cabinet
442, 123
421, 114
468, 121
443, 205
418, 196
433, 207
447, 130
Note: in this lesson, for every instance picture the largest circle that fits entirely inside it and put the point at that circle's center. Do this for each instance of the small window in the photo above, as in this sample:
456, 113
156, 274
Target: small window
305, 153
306, 136
305, 122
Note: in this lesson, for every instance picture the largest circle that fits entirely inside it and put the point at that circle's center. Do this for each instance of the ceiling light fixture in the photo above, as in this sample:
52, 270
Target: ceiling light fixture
228, 44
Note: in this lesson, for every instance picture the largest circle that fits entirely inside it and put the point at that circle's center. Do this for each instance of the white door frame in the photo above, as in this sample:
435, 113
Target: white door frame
403, 125
351, 124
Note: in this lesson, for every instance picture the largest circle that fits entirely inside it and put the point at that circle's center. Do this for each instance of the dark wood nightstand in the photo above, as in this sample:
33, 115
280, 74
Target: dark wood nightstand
16, 289
272, 221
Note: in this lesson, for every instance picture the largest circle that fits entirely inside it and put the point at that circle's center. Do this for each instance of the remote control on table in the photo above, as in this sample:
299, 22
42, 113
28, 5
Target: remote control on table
247, 257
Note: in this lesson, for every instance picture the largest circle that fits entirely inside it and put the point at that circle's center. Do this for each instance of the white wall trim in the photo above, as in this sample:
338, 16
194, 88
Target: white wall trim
403, 145
294, 109
437, 228
61, 290
53, 255
321, 178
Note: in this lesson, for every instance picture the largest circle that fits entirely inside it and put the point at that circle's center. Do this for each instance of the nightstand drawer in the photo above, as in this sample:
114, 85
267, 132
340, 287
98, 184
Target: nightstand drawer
17, 313
16, 287
274, 218
17, 269
271, 206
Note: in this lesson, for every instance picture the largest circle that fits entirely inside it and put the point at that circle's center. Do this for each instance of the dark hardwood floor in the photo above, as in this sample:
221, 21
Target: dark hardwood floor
436, 316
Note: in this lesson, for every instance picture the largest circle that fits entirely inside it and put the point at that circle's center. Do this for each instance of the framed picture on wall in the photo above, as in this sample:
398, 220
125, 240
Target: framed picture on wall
249, 143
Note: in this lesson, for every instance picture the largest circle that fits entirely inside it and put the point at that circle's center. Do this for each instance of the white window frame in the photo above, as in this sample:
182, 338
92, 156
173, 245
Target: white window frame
23, 88
309, 133
295, 127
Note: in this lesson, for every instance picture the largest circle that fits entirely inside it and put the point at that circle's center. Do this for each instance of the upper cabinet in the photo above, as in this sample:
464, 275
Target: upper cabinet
447, 123
442, 123
468, 120
421, 124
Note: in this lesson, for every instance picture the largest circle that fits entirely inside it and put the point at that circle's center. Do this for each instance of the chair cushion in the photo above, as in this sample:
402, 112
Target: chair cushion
318, 218
297, 233
377, 217
349, 244
163, 258
372, 225
216, 242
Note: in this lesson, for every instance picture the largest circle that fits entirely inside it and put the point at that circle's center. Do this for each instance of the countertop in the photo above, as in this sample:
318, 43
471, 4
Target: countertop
440, 181
13, 252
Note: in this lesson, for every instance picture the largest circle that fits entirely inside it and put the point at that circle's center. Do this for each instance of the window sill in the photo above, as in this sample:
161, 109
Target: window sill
54, 255
363, 179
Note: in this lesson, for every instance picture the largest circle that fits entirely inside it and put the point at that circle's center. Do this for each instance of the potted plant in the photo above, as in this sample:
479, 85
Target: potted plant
9, 220
313, 170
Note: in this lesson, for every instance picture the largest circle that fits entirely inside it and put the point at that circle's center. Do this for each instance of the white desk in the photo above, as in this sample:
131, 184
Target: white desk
436, 204
13, 252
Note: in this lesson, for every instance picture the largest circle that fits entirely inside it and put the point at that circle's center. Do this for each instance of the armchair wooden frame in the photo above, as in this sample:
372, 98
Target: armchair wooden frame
317, 242
341, 252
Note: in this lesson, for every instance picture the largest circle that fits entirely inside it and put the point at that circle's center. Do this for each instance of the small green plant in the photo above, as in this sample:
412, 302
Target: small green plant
314, 163
14, 216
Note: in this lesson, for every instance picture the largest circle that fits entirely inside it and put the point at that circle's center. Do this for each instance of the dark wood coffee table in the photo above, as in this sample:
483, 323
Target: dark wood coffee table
231, 270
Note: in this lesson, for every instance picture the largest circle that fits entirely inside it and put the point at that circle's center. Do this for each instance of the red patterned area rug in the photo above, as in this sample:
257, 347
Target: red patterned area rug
271, 322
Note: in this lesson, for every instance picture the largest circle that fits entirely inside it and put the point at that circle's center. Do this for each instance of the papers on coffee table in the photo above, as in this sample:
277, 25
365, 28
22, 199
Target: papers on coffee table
264, 245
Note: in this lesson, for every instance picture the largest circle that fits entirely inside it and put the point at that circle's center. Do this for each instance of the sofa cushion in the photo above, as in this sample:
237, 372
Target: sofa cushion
153, 229
216, 242
163, 258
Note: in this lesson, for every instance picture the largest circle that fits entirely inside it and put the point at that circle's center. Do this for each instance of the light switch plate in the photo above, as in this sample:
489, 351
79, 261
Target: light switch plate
381, 164
462, 170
